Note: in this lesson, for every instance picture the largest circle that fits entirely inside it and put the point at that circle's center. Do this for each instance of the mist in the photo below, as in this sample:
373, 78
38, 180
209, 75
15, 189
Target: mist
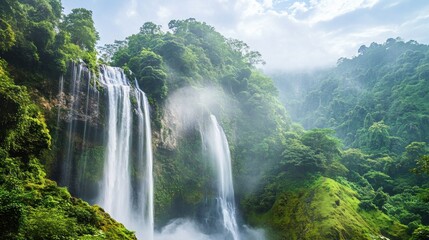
186, 107
195, 109
182, 228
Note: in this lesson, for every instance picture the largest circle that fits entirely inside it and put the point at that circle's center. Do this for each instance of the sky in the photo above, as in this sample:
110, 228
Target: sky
291, 35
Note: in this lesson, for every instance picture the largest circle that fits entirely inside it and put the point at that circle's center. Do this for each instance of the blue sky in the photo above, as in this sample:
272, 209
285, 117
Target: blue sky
291, 35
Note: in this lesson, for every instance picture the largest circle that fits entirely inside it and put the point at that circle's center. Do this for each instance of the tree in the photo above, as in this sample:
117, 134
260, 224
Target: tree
80, 25
251, 57
300, 158
150, 28
380, 198
356, 160
378, 136
107, 51
322, 142
149, 71
421, 233
414, 156
422, 165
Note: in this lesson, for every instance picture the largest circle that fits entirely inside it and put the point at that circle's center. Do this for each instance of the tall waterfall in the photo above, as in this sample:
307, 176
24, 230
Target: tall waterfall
128, 203
108, 147
217, 144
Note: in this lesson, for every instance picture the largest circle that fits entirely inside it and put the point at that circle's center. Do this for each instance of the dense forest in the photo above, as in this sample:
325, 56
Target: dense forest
337, 154
376, 104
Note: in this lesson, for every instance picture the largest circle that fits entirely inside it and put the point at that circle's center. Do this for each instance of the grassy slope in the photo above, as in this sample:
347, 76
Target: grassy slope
325, 209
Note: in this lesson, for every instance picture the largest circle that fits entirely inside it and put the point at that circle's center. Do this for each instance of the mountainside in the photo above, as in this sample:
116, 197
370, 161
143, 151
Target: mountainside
376, 103
383, 89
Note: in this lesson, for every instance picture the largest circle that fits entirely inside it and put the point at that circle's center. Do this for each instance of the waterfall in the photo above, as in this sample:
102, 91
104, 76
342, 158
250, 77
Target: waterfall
115, 196
217, 144
67, 167
80, 95
107, 145
128, 203
145, 150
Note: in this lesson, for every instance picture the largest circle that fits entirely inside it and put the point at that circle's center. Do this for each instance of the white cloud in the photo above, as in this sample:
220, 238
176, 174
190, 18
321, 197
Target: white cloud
325, 10
298, 7
132, 11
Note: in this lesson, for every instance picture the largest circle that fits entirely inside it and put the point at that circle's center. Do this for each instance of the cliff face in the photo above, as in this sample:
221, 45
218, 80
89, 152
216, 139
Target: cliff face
32, 206
79, 131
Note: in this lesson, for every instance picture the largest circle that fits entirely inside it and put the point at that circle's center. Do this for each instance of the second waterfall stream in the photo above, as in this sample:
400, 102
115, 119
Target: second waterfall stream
217, 146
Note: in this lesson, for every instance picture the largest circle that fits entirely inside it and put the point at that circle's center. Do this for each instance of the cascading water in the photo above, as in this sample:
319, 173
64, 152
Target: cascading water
215, 216
128, 203
145, 150
124, 174
217, 144
74, 91
77, 97
115, 195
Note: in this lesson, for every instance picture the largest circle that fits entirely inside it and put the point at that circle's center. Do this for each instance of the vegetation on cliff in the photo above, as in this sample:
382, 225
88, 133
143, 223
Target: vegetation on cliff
32, 206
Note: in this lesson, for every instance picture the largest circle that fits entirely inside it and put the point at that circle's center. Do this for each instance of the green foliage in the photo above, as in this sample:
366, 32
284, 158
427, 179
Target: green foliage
12, 210
38, 41
367, 205
380, 198
376, 100
80, 25
422, 165
7, 36
421, 233
325, 209
378, 179
48, 223
23, 129
149, 70
355, 159
315, 151
302, 158
378, 136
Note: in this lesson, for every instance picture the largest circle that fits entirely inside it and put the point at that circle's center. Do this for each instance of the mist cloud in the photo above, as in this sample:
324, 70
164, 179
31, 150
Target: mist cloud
186, 108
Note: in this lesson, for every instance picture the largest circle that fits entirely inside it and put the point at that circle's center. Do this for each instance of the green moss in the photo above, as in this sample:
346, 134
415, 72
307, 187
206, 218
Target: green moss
325, 210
